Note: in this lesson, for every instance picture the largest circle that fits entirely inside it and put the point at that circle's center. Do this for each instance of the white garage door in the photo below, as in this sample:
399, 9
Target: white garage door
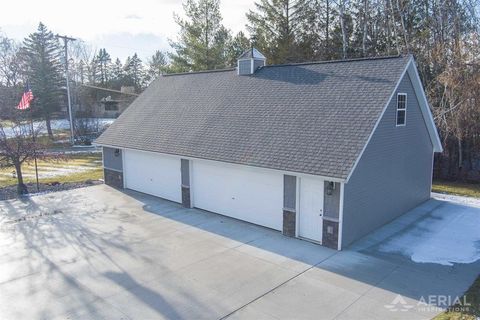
153, 174
241, 192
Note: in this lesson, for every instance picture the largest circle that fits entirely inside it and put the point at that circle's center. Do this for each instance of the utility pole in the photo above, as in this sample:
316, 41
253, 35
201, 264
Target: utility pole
65, 42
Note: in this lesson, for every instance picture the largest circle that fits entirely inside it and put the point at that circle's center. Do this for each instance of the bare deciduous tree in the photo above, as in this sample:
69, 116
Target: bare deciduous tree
19, 143
341, 9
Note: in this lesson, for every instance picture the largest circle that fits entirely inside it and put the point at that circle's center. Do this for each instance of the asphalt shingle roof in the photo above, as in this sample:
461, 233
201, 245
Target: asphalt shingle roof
311, 118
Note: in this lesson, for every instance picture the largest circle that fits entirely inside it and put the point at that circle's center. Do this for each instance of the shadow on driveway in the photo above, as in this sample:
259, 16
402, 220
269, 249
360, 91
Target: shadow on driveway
121, 252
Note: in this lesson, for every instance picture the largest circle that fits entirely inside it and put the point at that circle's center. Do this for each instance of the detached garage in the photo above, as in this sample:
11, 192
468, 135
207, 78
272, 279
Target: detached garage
251, 194
323, 151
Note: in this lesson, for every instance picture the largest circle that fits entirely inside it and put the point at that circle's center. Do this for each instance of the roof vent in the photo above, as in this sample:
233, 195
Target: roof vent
250, 61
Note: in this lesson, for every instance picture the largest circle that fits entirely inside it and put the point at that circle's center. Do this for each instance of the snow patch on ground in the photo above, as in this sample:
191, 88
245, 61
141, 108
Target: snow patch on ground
60, 171
457, 199
56, 124
56, 171
447, 235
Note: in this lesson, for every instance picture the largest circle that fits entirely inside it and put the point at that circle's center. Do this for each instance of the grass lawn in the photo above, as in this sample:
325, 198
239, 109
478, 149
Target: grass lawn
77, 168
6, 123
457, 188
472, 297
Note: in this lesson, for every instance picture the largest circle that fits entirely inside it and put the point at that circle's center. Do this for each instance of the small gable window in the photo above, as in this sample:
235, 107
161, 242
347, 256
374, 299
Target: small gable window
401, 109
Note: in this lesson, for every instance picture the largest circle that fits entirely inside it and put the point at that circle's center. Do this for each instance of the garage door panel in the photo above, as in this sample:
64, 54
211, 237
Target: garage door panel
153, 174
241, 192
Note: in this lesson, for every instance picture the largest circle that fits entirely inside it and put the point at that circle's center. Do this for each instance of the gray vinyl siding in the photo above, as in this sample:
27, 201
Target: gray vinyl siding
331, 202
394, 174
112, 161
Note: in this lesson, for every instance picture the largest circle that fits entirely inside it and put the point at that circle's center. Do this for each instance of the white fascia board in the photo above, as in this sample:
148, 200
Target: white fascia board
297, 206
379, 119
124, 176
292, 173
340, 217
424, 107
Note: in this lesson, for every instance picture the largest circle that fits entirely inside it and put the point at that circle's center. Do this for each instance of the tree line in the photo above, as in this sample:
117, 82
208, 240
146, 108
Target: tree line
442, 35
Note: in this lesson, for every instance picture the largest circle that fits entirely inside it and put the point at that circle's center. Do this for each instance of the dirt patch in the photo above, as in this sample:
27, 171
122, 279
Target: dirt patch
10, 192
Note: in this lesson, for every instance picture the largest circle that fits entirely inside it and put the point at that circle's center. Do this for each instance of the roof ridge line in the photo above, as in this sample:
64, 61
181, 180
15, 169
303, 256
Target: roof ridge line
197, 72
336, 61
290, 64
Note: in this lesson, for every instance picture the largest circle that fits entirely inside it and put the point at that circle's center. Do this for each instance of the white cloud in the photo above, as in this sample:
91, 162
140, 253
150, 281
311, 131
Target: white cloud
118, 26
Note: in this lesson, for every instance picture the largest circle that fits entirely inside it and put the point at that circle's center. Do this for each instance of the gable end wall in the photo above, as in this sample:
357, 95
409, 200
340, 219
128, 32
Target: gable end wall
394, 173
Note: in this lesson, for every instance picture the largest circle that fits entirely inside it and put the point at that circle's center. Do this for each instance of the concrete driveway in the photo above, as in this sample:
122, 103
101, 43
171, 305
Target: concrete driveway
98, 253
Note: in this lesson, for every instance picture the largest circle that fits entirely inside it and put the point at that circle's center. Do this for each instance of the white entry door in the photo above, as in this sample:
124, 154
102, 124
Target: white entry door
311, 209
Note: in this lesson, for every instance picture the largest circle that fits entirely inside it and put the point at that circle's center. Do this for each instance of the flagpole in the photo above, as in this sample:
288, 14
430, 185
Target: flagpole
24, 104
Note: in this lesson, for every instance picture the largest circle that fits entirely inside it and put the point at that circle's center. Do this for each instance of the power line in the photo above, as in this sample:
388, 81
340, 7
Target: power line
65, 42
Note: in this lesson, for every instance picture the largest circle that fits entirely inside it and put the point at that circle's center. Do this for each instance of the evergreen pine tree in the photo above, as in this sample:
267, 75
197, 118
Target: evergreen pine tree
103, 61
238, 44
117, 74
42, 55
157, 65
134, 72
202, 40
276, 24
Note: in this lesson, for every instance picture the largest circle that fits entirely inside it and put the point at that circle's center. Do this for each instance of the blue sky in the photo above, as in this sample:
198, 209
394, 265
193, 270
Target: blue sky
122, 27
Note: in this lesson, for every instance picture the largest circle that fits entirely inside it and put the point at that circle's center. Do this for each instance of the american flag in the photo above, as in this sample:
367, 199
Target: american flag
27, 97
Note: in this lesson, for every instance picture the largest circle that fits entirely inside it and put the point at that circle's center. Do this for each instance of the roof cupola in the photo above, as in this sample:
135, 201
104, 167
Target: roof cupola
250, 61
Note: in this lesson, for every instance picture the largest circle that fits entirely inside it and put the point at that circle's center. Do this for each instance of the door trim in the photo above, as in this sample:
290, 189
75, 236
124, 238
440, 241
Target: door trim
298, 215
297, 206
340, 216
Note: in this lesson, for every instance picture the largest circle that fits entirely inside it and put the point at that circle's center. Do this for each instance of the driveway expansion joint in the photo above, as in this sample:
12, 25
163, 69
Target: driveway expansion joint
276, 287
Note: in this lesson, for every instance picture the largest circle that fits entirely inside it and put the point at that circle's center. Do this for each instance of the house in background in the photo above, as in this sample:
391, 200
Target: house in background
98, 102
324, 151
114, 104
